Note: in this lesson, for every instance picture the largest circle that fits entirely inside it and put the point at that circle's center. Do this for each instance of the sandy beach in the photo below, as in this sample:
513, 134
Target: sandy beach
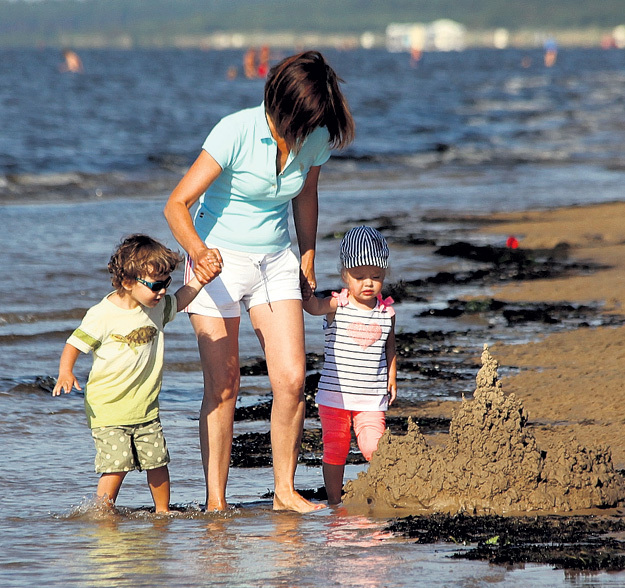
571, 384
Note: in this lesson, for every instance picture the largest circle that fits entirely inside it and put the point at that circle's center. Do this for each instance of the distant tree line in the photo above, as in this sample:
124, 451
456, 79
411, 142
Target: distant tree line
31, 23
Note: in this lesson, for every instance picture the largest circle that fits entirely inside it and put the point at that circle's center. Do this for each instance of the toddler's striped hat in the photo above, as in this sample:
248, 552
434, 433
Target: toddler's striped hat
364, 246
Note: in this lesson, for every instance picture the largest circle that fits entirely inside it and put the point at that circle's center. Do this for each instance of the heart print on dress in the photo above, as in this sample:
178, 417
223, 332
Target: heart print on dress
364, 335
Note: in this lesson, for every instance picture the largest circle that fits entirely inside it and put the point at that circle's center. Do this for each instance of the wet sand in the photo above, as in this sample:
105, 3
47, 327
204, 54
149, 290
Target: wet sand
572, 383
548, 437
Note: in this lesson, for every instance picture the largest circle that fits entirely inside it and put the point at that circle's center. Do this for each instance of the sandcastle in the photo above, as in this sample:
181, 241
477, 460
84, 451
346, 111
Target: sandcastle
490, 465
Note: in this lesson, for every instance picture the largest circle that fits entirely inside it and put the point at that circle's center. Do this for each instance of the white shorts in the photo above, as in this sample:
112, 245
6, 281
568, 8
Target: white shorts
249, 279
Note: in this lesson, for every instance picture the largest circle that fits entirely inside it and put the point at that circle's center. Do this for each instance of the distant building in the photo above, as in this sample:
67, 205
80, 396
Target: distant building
440, 35
619, 36
446, 35
405, 37
501, 38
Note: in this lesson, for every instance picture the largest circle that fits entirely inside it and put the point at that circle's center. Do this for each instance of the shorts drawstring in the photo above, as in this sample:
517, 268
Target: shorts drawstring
263, 277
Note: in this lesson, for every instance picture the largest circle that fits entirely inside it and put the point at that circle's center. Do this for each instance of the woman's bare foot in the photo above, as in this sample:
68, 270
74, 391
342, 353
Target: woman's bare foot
295, 502
216, 505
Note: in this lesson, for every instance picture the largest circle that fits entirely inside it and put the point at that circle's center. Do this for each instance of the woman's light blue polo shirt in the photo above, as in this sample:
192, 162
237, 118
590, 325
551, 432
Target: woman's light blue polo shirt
246, 207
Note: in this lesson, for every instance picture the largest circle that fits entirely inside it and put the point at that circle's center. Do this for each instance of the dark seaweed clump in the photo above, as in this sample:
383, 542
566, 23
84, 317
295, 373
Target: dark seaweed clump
572, 543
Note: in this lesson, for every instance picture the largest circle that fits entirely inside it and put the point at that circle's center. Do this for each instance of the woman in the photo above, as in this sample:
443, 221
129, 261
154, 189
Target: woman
253, 163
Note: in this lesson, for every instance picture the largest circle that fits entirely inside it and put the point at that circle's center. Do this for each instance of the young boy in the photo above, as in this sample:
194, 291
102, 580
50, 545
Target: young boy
125, 333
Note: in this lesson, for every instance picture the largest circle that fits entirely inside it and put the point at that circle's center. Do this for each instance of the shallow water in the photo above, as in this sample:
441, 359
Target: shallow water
51, 531
463, 133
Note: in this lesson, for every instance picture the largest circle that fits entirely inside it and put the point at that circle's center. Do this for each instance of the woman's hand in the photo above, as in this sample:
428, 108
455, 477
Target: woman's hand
307, 281
207, 264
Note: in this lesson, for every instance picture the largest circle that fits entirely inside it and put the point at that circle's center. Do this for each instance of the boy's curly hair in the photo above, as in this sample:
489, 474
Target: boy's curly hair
139, 255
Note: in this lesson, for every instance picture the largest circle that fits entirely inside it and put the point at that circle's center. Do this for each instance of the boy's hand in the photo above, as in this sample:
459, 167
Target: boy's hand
65, 382
187, 293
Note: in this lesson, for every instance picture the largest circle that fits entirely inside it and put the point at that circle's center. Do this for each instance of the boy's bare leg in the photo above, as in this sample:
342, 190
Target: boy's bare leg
158, 480
333, 479
109, 485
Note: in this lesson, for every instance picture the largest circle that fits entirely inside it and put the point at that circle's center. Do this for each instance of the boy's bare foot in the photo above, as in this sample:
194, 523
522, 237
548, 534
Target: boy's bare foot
295, 502
104, 503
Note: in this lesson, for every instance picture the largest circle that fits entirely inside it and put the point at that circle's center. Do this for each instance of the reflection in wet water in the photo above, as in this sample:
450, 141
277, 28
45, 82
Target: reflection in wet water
254, 546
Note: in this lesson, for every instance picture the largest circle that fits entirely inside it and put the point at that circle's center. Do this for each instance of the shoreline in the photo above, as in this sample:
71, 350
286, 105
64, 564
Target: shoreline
522, 38
563, 380
571, 383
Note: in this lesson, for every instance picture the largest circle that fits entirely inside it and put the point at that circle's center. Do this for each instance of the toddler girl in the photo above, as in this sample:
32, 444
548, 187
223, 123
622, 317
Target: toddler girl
358, 380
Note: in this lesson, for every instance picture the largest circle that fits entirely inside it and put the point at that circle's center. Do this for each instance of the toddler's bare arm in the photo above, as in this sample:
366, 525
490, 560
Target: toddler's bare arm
318, 306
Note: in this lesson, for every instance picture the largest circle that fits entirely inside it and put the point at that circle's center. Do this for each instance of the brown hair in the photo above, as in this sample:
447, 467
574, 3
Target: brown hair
302, 93
139, 255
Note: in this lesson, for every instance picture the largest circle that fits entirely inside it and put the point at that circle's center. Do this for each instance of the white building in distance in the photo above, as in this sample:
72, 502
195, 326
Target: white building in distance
440, 35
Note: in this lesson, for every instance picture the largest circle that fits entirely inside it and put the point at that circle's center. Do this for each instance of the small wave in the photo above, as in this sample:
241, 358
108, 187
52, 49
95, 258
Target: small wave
81, 186
484, 148
13, 318
363, 156
49, 179
93, 508
173, 162
440, 155
59, 335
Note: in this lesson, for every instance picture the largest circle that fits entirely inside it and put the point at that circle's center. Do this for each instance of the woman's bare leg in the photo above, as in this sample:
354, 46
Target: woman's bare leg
219, 353
280, 329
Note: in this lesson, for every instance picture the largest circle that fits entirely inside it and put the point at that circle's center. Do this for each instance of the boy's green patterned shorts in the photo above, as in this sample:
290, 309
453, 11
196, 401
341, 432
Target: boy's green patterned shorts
130, 447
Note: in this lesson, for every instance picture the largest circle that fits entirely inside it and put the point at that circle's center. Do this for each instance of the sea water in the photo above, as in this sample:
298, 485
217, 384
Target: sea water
86, 159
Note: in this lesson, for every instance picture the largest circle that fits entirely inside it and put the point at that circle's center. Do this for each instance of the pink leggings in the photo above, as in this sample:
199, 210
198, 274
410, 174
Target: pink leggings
336, 424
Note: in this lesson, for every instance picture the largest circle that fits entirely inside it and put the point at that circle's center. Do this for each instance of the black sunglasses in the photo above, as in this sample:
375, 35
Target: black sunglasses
156, 286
